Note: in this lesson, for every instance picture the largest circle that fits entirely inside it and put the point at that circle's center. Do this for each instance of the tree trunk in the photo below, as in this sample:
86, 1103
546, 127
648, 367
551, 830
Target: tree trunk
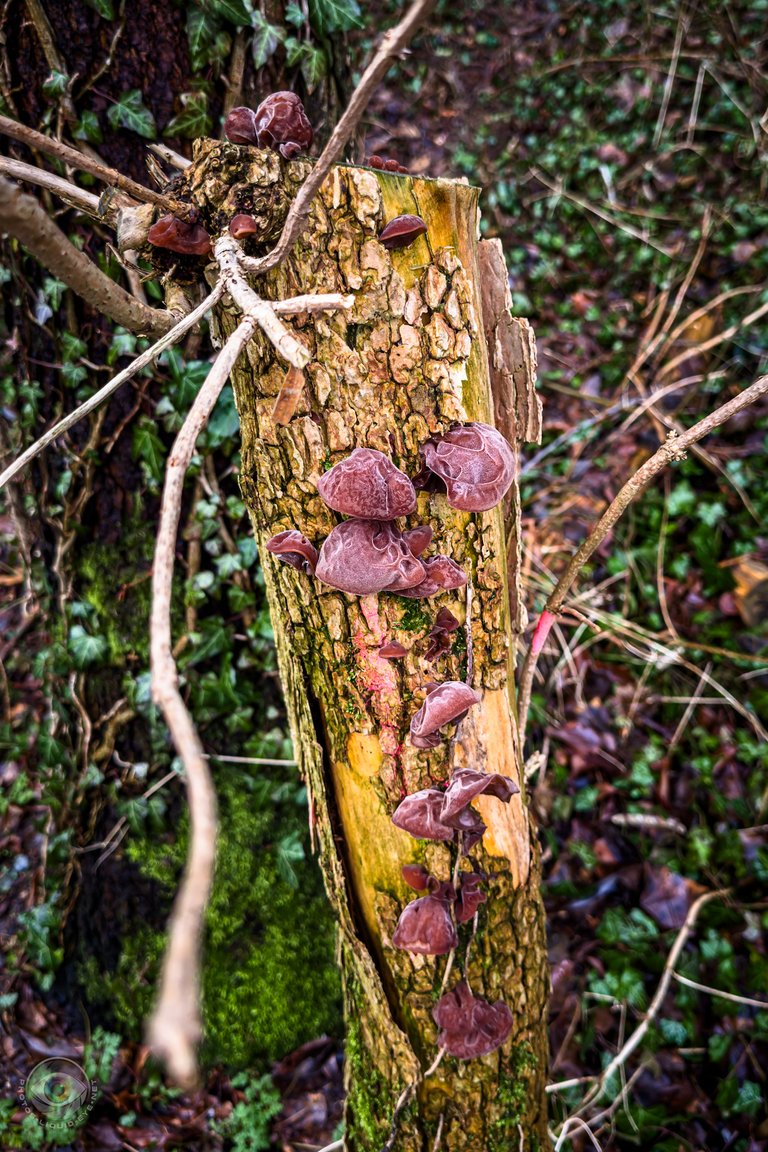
406, 361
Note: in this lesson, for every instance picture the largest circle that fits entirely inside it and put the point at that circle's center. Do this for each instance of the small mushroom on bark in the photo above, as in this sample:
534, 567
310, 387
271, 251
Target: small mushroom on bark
440, 634
418, 539
294, 549
179, 236
392, 651
282, 123
446, 704
379, 162
240, 126
416, 876
469, 898
419, 815
367, 484
368, 556
442, 573
243, 225
473, 462
466, 784
426, 926
470, 1026
402, 231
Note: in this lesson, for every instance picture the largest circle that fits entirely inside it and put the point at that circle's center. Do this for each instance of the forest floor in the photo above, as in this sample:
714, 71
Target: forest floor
623, 157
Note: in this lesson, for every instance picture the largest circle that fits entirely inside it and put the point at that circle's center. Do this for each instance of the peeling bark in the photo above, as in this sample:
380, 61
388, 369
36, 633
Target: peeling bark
405, 362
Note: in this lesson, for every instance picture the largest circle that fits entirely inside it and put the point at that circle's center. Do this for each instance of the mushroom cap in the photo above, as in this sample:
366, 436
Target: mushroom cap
367, 484
419, 815
416, 876
240, 126
470, 1026
426, 927
282, 123
439, 635
418, 538
402, 231
475, 463
392, 650
466, 784
469, 898
243, 225
441, 573
447, 703
179, 236
367, 556
294, 548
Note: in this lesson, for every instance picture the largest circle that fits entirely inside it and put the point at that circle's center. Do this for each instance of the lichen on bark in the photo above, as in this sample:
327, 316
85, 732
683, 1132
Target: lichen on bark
406, 361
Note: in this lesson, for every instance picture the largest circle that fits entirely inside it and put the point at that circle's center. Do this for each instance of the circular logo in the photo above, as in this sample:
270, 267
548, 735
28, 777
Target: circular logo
57, 1087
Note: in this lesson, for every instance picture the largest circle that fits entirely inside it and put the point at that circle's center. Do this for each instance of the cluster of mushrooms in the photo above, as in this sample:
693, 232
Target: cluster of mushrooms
368, 554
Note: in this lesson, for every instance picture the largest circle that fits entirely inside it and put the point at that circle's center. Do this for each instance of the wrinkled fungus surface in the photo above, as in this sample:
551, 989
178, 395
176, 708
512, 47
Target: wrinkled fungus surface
282, 123
470, 1026
179, 236
442, 574
367, 484
294, 549
426, 926
445, 704
473, 461
419, 814
368, 556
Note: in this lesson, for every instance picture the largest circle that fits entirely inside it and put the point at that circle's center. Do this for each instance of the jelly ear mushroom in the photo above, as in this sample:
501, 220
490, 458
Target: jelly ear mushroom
392, 651
243, 225
426, 927
470, 1026
466, 784
470, 897
367, 484
367, 556
419, 815
418, 539
240, 126
401, 232
179, 236
282, 123
294, 549
446, 704
473, 461
416, 876
441, 573
440, 635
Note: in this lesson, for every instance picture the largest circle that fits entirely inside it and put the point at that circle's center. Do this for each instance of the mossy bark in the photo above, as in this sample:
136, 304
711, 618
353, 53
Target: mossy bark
406, 361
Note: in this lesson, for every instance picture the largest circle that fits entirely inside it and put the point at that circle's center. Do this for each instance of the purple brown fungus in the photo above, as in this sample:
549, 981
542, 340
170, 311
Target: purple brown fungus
473, 462
440, 634
282, 123
401, 232
426, 925
470, 897
465, 784
419, 815
243, 225
446, 704
180, 236
240, 126
368, 556
418, 539
392, 651
442, 574
367, 484
293, 548
416, 876
470, 1026
379, 162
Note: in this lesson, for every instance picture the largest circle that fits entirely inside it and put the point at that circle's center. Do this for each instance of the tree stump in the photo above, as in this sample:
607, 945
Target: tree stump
409, 359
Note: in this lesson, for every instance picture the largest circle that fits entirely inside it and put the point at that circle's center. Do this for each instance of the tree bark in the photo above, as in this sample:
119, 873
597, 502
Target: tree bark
406, 361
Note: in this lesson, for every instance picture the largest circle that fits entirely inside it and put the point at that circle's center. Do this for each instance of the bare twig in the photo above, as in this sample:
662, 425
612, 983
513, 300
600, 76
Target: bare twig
175, 1027
76, 197
732, 997
104, 393
392, 43
28, 222
673, 449
83, 163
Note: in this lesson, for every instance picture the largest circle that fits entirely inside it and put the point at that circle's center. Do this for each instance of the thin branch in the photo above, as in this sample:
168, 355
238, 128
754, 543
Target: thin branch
74, 196
104, 393
392, 44
748, 1001
29, 223
175, 1027
83, 163
674, 449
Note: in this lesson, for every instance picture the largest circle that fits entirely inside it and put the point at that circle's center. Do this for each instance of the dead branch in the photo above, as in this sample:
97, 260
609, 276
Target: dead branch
29, 223
674, 449
175, 1027
74, 196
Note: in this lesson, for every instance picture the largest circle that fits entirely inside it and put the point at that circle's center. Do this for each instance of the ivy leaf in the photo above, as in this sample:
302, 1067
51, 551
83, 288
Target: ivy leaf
314, 64
236, 12
202, 30
327, 16
266, 38
294, 14
130, 112
86, 649
193, 121
290, 851
88, 128
105, 8
148, 447
55, 85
